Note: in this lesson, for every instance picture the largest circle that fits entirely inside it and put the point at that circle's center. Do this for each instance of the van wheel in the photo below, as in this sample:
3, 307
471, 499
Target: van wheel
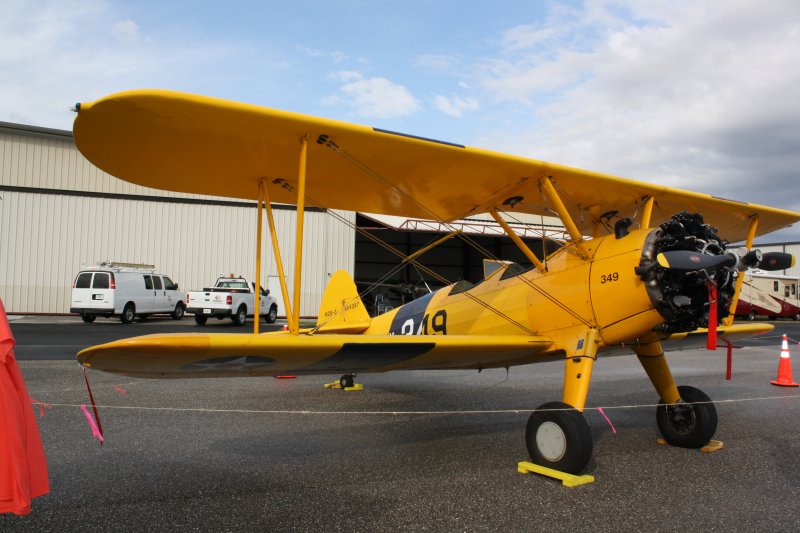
177, 314
272, 315
128, 314
240, 316
88, 317
200, 319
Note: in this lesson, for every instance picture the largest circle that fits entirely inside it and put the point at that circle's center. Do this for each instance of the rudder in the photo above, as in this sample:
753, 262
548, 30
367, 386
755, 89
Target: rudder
342, 310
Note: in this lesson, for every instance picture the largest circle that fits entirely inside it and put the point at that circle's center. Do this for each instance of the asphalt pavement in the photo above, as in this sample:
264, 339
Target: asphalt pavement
414, 451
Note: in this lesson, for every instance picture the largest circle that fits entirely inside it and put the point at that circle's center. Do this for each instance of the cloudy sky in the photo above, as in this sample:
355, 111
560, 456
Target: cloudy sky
695, 94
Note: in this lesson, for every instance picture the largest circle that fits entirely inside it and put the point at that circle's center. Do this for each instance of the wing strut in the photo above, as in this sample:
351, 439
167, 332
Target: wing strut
647, 211
257, 288
520, 244
751, 235
276, 249
298, 252
569, 224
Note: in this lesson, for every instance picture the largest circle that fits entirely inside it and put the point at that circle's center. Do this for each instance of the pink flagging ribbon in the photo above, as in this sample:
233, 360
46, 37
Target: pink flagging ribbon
42, 406
120, 390
607, 419
95, 430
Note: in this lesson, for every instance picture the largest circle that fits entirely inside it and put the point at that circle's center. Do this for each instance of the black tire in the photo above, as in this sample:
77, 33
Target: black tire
200, 319
241, 316
346, 381
560, 440
752, 315
88, 317
177, 314
688, 424
142, 318
272, 315
128, 313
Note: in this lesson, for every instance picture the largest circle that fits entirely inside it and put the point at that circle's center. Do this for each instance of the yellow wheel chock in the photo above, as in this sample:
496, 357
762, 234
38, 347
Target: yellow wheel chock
337, 385
712, 446
568, 480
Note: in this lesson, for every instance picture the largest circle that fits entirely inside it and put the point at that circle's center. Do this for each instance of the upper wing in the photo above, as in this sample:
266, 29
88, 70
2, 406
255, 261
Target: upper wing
231, 355
197, 144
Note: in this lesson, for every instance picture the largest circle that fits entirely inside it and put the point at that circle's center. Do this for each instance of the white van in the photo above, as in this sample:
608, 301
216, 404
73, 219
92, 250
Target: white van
125, 290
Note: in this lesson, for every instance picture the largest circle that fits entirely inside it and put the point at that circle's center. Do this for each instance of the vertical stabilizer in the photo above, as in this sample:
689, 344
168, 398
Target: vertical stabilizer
342, 311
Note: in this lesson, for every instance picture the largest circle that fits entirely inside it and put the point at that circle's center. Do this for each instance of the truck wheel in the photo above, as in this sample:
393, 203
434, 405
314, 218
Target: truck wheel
272, 315
200, 319
88, 317
240, 316
128, 313
177, 314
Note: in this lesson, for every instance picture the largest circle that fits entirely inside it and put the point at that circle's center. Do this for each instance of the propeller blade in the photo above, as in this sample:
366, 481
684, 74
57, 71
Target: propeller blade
688, 261
776, 261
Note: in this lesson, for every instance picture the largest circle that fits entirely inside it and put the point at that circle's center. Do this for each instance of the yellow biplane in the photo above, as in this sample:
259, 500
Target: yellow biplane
644, 264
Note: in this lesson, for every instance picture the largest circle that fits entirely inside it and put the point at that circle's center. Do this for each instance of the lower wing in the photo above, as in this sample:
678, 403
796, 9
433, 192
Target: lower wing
233, 355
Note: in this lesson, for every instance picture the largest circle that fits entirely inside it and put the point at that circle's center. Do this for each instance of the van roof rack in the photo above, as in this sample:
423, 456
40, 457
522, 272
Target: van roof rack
118, 265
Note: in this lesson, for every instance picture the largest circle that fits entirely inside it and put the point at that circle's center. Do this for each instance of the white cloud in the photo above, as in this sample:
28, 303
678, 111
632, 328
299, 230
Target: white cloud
376, 97
334, 55
127, 32
56, 53
687, 94
455, 106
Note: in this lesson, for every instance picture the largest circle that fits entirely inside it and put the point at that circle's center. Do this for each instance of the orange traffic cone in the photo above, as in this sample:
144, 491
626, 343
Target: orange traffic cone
285, 328
785, 367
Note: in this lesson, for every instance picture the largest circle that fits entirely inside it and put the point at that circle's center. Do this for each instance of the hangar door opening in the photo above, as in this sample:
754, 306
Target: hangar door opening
384, 282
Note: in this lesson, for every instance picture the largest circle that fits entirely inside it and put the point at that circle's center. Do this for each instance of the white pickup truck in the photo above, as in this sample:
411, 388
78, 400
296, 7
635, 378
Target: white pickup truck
230, 297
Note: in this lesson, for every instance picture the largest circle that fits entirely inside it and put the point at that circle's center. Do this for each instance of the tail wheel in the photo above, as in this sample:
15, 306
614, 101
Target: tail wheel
689, 424
559, 439
240, 316
346, 381
128, 313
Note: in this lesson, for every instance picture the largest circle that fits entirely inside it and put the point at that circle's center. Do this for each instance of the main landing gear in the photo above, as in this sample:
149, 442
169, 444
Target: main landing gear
558, 436
689, 423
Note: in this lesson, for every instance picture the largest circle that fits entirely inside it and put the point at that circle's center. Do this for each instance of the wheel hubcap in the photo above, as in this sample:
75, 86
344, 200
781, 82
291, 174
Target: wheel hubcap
551, 441
681, 418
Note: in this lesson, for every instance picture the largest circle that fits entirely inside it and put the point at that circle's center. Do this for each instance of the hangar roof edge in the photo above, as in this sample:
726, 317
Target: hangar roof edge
38, 131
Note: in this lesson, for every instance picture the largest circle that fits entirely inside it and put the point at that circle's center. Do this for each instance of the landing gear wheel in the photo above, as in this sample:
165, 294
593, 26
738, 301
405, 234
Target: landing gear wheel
686, 425
128, 314
200, 319
272, 315
346, 381
88, 317
560, 440
240, 316
177, 314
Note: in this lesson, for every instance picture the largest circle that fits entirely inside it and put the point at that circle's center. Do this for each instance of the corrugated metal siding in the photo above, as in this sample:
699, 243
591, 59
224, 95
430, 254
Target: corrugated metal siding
45, 237
791, 248
55, 163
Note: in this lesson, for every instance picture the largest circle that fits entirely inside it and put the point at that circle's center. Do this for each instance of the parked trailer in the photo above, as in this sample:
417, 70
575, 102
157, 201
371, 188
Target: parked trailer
770, 295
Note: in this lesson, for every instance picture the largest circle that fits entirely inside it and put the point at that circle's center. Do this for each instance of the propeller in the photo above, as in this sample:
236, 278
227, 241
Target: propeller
776, 261
690, 261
